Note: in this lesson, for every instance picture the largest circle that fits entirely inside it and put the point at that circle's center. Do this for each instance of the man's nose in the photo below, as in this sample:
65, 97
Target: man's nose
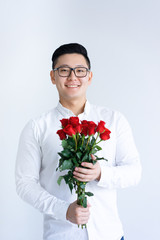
72, 75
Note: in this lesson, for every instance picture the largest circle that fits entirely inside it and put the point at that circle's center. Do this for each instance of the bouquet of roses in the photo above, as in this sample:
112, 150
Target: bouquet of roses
79, 141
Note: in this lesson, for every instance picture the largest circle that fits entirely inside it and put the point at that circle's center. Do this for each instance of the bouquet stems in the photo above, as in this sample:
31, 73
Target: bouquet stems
81, 198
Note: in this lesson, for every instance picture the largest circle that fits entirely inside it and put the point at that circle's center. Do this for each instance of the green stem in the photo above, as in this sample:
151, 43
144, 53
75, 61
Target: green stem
99, 141
95, 141
83, 137
87, 142
77, 138
80, 197
74, 137
97, 138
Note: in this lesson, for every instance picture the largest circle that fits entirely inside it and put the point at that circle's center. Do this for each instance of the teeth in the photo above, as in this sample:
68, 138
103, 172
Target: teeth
72, 86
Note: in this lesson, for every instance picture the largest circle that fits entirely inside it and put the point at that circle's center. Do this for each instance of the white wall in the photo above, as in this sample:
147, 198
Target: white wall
122, 38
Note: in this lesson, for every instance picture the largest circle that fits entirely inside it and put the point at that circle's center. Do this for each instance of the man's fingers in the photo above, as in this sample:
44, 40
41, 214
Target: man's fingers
93, 157
84, 209
78, 214
88, 172
83, 171
82, 176
87, 165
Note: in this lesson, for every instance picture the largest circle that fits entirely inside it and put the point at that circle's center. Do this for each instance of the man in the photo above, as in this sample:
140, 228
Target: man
37, 159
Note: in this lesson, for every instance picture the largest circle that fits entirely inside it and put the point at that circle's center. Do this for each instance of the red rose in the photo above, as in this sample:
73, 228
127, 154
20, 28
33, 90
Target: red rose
61, 134
64, 122
105, 135
84, 129
78, 128
74, 121
91, 128
69, 130
101, 127
84, 122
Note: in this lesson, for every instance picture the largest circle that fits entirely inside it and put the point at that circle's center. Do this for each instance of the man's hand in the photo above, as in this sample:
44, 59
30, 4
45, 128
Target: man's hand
78, 214
89, 173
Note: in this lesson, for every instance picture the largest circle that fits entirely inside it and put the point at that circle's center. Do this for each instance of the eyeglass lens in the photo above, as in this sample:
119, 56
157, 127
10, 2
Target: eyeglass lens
66, 71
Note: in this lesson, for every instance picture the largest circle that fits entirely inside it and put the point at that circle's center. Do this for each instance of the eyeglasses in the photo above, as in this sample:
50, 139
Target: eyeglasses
66, 71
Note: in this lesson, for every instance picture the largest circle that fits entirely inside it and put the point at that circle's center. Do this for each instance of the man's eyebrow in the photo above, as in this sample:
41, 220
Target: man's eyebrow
79, 65
66, 65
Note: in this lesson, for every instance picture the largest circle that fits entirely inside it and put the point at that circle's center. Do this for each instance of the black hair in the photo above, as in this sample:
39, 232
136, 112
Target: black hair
70, 48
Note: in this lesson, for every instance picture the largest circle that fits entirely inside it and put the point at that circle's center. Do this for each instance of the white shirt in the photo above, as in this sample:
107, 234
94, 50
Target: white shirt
36, 175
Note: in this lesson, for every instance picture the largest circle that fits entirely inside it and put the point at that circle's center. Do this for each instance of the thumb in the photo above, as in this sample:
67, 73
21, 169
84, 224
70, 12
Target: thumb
93, 157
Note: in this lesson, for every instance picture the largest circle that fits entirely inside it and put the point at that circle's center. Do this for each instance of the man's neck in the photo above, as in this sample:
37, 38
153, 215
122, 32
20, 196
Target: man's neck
76, 106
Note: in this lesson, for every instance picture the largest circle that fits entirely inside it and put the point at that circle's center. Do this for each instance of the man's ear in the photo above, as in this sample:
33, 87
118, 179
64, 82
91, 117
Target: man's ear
90, 78
52, 77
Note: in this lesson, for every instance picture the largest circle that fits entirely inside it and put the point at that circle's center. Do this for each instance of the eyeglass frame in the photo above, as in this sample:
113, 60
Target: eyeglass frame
71, 69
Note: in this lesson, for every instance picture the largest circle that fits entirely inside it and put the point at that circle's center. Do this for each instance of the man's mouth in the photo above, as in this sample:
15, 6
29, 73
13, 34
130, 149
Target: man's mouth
72, 86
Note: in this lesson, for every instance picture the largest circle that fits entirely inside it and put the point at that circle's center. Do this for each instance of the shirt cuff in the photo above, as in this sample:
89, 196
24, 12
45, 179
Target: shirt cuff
60, 210
106, 176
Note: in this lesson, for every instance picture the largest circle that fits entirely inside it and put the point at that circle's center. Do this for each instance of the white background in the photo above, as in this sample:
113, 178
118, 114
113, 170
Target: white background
123, 42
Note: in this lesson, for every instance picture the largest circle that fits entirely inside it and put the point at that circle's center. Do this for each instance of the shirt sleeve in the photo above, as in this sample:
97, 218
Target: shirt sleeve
28, 165
127, 169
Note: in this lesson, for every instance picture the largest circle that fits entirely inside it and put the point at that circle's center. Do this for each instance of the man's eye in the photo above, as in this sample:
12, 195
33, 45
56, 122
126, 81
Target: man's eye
64, 70
80, 70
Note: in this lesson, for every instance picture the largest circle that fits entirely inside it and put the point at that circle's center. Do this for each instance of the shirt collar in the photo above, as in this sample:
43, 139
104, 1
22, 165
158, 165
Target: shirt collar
68, 113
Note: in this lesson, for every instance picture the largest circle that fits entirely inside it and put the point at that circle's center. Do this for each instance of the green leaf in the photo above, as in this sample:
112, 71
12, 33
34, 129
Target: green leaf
93, 140
89, 194
71, 187
102, 158
85, 157
60, 163
74, 160
82, 148
70, 173
93, 151
90, 158
98, 147
84, 202
67, 164
71, 142
66, 153
94, 161
60, 179
85, 142
64, 143
66, 178
81, 197
82, 185
60, 154
69, 180
79, 155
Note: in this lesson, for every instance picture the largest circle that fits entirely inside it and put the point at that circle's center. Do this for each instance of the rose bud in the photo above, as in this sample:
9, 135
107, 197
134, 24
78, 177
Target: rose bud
105, 135
84, 122
69, 130
91, 128
84, 129
64, 122
74, 121
78, 128
101, 127
61, 134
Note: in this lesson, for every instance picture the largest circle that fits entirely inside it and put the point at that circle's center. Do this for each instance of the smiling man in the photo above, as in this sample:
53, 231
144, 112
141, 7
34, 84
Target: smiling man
37, 158
72, 76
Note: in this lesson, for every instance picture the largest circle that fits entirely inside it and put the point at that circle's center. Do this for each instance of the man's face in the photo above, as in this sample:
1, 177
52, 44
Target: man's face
72, 87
